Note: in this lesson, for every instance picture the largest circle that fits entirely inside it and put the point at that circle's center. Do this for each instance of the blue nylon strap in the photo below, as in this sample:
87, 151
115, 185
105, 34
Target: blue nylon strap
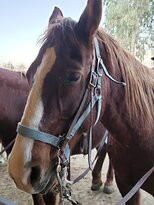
83, 116
67, 152
38, 135
43, 137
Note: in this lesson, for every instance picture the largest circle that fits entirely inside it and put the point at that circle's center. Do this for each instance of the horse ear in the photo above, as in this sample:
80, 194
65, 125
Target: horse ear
56, 16
89, 20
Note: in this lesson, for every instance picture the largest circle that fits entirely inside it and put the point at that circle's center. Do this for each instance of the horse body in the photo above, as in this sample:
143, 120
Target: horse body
59, 79
13, 94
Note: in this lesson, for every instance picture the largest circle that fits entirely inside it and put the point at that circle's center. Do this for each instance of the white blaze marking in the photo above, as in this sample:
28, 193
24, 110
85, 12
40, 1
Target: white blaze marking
34, 107
33, 123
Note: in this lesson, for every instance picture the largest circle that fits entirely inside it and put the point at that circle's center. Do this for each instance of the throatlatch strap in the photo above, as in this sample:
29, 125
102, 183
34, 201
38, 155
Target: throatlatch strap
101, 67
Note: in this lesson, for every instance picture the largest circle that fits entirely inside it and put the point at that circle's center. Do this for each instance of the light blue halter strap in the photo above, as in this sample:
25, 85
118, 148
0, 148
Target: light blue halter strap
38, 135
84, 116
43, 137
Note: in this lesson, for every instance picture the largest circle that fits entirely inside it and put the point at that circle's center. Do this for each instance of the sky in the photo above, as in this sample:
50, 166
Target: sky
23, 21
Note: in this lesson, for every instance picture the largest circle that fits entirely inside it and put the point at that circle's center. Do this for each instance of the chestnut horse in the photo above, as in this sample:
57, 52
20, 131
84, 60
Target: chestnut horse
75, 65
14, 90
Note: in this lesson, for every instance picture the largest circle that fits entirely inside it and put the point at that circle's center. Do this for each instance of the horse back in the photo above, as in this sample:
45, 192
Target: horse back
13, 94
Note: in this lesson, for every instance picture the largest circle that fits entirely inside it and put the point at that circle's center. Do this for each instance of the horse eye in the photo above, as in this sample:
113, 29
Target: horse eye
72, 77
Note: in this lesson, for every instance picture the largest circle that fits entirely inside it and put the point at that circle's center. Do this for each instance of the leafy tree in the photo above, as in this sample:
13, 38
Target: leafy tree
130, 21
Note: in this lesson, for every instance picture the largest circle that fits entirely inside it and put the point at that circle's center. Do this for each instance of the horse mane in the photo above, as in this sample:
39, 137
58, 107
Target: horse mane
139, 89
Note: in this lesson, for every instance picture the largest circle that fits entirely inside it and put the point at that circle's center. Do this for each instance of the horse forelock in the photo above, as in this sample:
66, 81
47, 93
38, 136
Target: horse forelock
60, 32
55, 37
139, 89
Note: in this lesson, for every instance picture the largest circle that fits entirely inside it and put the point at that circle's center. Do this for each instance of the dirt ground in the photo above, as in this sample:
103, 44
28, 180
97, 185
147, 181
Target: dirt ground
80, 191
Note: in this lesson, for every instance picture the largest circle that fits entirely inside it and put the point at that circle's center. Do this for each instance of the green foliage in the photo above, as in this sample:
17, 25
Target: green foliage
130, 21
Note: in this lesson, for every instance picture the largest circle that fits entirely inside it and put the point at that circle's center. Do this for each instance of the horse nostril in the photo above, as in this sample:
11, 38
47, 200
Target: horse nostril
35, 174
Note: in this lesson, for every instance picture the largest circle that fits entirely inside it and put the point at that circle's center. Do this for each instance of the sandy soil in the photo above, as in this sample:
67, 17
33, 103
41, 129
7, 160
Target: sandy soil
80, 191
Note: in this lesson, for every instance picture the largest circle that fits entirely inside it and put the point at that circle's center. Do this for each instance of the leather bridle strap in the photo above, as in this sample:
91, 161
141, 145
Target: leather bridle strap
135, 188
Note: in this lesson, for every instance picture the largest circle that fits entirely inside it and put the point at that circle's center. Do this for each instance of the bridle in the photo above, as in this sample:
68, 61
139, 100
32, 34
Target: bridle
61, 142
94, 86
97, 70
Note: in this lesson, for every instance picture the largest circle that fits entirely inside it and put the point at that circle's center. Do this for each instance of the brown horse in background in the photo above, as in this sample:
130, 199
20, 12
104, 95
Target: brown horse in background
14, 90
59, 77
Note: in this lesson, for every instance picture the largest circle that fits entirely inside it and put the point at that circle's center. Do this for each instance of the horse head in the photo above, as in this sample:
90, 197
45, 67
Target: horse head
58, 79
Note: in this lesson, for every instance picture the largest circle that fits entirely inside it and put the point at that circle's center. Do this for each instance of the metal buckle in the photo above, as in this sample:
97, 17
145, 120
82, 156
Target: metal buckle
93, 79
61, 141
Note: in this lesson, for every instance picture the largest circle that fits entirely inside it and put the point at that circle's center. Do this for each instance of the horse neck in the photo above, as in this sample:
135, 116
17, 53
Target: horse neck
114, 114
113, 104
116, 119
123, 106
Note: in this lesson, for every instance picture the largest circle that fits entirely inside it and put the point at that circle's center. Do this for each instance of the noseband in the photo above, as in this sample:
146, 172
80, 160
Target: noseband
97, 70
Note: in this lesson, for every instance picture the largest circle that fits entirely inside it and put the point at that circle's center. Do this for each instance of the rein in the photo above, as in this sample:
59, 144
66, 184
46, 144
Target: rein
137, 186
